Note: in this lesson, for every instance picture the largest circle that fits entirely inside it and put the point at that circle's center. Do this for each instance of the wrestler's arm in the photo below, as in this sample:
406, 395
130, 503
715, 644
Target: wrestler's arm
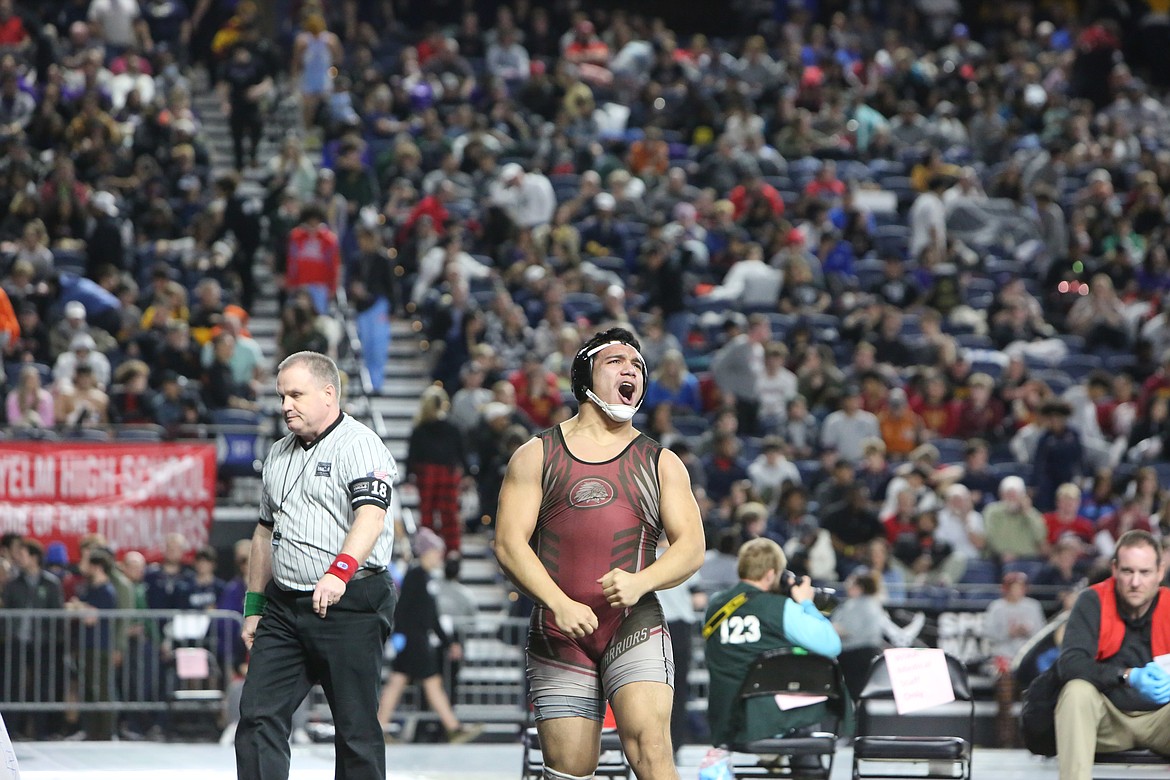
683, 525
519, 507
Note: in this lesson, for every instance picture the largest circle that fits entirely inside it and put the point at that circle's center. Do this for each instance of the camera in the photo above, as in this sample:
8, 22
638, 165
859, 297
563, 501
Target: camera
824, 599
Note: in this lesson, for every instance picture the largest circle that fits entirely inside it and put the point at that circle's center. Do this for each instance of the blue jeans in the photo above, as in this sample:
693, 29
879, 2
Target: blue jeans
319, 293
373, 327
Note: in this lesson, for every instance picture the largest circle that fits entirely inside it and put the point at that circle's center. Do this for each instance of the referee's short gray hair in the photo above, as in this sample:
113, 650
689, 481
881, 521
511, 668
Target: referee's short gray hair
322, 367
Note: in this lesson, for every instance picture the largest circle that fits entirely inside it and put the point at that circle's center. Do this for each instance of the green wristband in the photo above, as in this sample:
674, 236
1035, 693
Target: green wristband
254, 604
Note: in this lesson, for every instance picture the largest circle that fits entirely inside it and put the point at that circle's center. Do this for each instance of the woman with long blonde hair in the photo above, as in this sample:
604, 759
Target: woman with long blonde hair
29, 405
436, 461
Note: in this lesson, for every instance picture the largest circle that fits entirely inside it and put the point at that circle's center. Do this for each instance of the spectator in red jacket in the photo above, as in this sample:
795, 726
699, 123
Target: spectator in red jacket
981, 414
1066, 518
825, 184
939, 413
433, 206
753, 189
537, 393
314, 259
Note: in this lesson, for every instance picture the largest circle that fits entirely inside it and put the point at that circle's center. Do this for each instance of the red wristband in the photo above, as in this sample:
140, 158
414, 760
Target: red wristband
343, 567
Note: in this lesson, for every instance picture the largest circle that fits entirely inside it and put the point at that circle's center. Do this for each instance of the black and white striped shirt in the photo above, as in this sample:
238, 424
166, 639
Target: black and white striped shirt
311, 494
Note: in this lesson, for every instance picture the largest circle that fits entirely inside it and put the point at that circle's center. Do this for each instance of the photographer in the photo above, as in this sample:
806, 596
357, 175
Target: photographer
749, 618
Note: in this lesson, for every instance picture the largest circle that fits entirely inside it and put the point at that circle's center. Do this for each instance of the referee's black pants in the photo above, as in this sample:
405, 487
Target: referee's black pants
293, 649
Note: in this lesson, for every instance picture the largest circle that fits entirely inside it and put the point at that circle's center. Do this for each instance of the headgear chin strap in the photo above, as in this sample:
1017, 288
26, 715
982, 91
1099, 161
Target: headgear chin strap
615, 412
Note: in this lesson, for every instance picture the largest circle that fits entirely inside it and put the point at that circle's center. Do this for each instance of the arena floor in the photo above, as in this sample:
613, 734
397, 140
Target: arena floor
128, 761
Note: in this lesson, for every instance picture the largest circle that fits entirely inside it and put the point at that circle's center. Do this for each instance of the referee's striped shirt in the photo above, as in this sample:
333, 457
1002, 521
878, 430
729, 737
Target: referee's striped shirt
311, 494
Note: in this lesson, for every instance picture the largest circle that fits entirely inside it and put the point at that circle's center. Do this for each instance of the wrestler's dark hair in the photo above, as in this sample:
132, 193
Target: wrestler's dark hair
581, 373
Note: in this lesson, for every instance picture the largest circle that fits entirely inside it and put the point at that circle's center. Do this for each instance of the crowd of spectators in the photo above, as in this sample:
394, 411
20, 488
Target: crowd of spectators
94, 658
879, 264
126, 257
899, 270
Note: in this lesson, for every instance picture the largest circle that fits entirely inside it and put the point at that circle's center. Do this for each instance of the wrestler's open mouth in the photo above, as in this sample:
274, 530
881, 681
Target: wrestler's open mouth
626, 391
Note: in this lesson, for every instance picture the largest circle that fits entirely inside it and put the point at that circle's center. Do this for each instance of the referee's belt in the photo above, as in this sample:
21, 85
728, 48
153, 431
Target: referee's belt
361, 574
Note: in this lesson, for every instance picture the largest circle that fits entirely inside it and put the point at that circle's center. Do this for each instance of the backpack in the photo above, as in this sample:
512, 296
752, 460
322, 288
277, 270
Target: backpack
1038, 714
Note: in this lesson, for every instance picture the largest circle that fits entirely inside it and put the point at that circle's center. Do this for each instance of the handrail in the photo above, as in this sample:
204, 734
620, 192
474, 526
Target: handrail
87, 659
354, 347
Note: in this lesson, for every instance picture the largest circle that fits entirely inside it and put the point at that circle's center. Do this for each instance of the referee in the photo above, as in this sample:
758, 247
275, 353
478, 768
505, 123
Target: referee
320, 602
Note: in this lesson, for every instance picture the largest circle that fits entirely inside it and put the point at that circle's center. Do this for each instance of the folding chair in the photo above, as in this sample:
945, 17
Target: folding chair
785, 672
922, 738
611, 762
1126, 759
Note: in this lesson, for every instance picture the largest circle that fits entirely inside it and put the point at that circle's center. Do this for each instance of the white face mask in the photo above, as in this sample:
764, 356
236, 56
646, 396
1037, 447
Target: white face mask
615, 412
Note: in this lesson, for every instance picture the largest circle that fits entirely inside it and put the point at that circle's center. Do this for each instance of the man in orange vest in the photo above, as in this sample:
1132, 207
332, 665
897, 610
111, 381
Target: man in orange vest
1115, 692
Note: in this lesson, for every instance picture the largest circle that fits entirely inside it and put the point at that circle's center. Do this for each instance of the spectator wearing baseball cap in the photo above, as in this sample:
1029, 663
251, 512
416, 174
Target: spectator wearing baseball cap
82, 349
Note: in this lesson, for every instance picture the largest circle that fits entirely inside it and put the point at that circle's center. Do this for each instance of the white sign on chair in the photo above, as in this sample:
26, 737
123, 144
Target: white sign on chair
919, 678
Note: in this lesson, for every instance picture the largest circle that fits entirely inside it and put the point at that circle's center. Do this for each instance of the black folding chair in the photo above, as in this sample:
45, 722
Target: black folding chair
1111, 763
920, 738
784, 671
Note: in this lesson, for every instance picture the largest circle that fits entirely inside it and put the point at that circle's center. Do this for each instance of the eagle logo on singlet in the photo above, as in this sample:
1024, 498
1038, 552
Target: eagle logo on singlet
591, 492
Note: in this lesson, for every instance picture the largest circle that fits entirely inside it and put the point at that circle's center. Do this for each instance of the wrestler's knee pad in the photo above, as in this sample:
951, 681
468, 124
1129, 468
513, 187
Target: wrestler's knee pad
552, 774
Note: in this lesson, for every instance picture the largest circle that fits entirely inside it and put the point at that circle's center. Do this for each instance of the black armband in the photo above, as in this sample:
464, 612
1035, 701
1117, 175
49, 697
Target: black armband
269, 524
369, 491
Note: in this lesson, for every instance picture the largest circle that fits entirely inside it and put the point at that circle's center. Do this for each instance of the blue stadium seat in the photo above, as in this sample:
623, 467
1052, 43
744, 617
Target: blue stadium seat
980, 284
87, 434
781, 324
1080, 366
240, 417
880, 169
1057, 380
981, 572
994, 267
615, 265
1031, 569
892, 240
810, 470
1012, 468
140, 433
690, 425
974, 341
70, 261
780, 182
1075, 344
702, 306
950, 450
804, 166
881, 218
1163, 469
1119, 364
582, 304
990, 367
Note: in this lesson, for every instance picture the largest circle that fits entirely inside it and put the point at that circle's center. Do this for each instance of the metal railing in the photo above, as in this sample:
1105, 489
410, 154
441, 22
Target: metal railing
106, 661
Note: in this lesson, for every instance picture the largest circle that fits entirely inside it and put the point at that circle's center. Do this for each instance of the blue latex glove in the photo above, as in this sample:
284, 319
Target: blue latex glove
1151, 681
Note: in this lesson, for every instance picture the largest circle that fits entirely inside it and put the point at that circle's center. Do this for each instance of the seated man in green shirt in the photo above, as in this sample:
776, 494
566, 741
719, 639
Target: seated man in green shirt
763, 620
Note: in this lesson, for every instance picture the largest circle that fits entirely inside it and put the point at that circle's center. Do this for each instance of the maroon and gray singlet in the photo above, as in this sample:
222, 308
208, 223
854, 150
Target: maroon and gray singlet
595, 517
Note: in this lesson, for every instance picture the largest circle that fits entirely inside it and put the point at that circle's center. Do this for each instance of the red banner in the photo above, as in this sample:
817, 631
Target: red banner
132, 494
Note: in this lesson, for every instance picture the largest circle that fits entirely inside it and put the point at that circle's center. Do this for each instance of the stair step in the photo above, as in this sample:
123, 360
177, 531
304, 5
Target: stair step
395, 407
479, 570
407, 373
